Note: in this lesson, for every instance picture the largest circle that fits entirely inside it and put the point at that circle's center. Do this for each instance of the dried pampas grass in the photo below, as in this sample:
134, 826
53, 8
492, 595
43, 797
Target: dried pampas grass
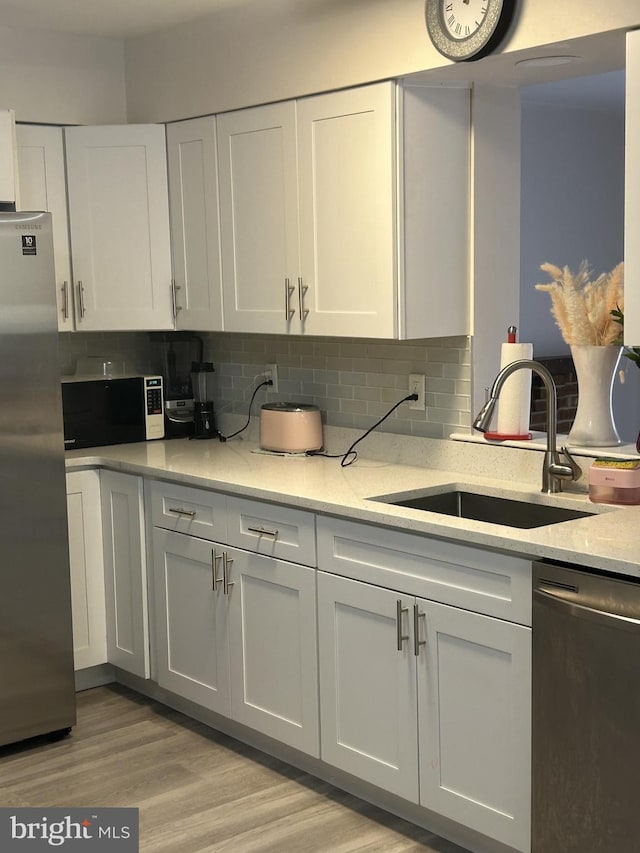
581, 307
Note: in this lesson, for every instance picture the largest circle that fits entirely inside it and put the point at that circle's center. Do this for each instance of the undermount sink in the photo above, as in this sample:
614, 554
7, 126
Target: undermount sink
490, 508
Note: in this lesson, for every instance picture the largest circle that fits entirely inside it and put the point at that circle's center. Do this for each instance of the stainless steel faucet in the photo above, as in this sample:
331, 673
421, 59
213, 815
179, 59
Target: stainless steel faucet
555, 469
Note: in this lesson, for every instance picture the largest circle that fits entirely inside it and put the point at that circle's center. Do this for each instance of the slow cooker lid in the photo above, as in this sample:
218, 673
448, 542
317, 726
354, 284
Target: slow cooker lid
290, 407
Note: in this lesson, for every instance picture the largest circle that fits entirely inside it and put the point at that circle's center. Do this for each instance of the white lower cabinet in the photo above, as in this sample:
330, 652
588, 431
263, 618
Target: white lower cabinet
191, 616
87, 569
125, 579
428, 701
474, 720
404, 661
273, 647
236, 633
367, 687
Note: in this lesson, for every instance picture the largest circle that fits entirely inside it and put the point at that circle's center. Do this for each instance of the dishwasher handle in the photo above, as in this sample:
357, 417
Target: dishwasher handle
582, 611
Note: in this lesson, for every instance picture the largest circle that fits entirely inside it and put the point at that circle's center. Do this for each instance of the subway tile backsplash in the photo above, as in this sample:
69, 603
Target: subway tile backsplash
354, 381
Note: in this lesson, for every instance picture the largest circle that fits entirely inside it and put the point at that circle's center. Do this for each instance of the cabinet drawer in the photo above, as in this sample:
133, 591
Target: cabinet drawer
276, 531
183, 509
476, 579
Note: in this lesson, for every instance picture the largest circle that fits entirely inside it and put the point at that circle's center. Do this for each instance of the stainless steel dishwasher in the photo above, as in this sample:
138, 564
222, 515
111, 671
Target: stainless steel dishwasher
586, 711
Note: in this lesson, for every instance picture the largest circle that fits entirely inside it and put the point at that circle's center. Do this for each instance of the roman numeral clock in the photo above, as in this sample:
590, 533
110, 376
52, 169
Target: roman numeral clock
463, 30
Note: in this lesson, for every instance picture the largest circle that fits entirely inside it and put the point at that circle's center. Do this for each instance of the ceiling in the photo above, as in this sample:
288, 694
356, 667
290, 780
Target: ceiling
119, 19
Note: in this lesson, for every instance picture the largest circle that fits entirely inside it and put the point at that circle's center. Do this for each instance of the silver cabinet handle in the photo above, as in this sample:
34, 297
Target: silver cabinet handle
399, 635
65, 299
81, 308
417, 642
288, 290
226, 572
215, 558
302, 290
174, 300
191, 513
264, 531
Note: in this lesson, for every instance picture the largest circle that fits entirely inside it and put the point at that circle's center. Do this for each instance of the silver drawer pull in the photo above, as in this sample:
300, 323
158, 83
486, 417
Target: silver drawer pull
191, 513
264, 531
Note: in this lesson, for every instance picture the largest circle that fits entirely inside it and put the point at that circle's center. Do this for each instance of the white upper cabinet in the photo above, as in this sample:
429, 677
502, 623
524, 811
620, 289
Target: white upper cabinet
8, 161
41, 171
119, 220
259, 218
193, 196
346, 186
348, 214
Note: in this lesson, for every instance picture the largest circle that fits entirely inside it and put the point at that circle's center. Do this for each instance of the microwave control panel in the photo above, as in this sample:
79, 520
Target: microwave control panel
154, 414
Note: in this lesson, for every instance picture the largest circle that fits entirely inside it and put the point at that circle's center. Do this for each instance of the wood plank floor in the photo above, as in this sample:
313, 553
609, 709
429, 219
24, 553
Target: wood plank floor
197, 790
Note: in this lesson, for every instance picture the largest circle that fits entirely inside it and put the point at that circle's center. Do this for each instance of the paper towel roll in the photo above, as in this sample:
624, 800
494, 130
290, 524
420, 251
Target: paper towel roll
514, 405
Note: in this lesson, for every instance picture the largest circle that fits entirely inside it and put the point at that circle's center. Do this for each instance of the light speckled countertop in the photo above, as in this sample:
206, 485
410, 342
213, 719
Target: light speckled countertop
607, 540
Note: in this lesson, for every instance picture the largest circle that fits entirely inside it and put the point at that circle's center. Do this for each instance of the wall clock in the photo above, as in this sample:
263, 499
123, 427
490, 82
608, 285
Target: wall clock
463, 30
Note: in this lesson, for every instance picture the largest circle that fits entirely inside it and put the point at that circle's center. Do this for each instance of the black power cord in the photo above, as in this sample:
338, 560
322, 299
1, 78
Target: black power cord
350, 456
253, 396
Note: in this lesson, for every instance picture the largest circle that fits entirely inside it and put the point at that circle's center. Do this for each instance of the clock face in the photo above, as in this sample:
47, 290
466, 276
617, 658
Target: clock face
462, 18
467, 29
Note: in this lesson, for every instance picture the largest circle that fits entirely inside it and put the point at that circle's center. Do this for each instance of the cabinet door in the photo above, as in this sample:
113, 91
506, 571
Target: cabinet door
474, 712
193, 194
259, 218
43, 187
191, 612
87, 569
125, 572
274, 672
119, 219
368, 702
346, 174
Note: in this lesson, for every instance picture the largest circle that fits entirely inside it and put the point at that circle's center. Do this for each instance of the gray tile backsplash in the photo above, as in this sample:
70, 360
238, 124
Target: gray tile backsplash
353, 381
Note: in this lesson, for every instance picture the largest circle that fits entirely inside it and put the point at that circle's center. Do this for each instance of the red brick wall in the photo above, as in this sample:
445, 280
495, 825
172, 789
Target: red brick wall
564, 374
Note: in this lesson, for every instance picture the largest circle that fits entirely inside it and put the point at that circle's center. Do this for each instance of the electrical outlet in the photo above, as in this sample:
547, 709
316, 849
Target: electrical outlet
271, 372
417, 386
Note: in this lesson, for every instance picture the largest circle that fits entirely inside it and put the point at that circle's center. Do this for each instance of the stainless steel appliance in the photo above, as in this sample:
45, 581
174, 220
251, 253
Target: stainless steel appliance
114, 410
586, 711
36, 650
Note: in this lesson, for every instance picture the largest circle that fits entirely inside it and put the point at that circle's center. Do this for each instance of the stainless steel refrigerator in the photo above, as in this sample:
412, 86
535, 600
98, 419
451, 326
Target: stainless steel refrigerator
36, 651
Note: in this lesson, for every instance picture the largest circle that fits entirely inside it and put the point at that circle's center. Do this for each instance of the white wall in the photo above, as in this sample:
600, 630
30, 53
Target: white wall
269, 50
54, 78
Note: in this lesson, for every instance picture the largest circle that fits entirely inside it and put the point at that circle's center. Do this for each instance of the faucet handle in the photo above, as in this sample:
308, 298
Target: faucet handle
576, 470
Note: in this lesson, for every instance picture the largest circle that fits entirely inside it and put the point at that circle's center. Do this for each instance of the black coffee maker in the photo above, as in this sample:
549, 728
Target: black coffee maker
203, 384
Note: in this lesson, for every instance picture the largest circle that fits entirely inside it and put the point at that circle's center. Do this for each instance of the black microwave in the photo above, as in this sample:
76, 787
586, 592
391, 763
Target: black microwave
114, 410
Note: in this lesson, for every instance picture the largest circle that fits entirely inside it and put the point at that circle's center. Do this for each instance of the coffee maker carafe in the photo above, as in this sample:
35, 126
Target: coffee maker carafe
203, 384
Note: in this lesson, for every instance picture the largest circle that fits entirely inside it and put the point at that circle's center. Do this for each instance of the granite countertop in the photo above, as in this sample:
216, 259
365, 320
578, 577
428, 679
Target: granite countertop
607, 540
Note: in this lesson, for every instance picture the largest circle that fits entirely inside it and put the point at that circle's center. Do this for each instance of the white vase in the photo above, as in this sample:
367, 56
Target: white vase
595, 368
